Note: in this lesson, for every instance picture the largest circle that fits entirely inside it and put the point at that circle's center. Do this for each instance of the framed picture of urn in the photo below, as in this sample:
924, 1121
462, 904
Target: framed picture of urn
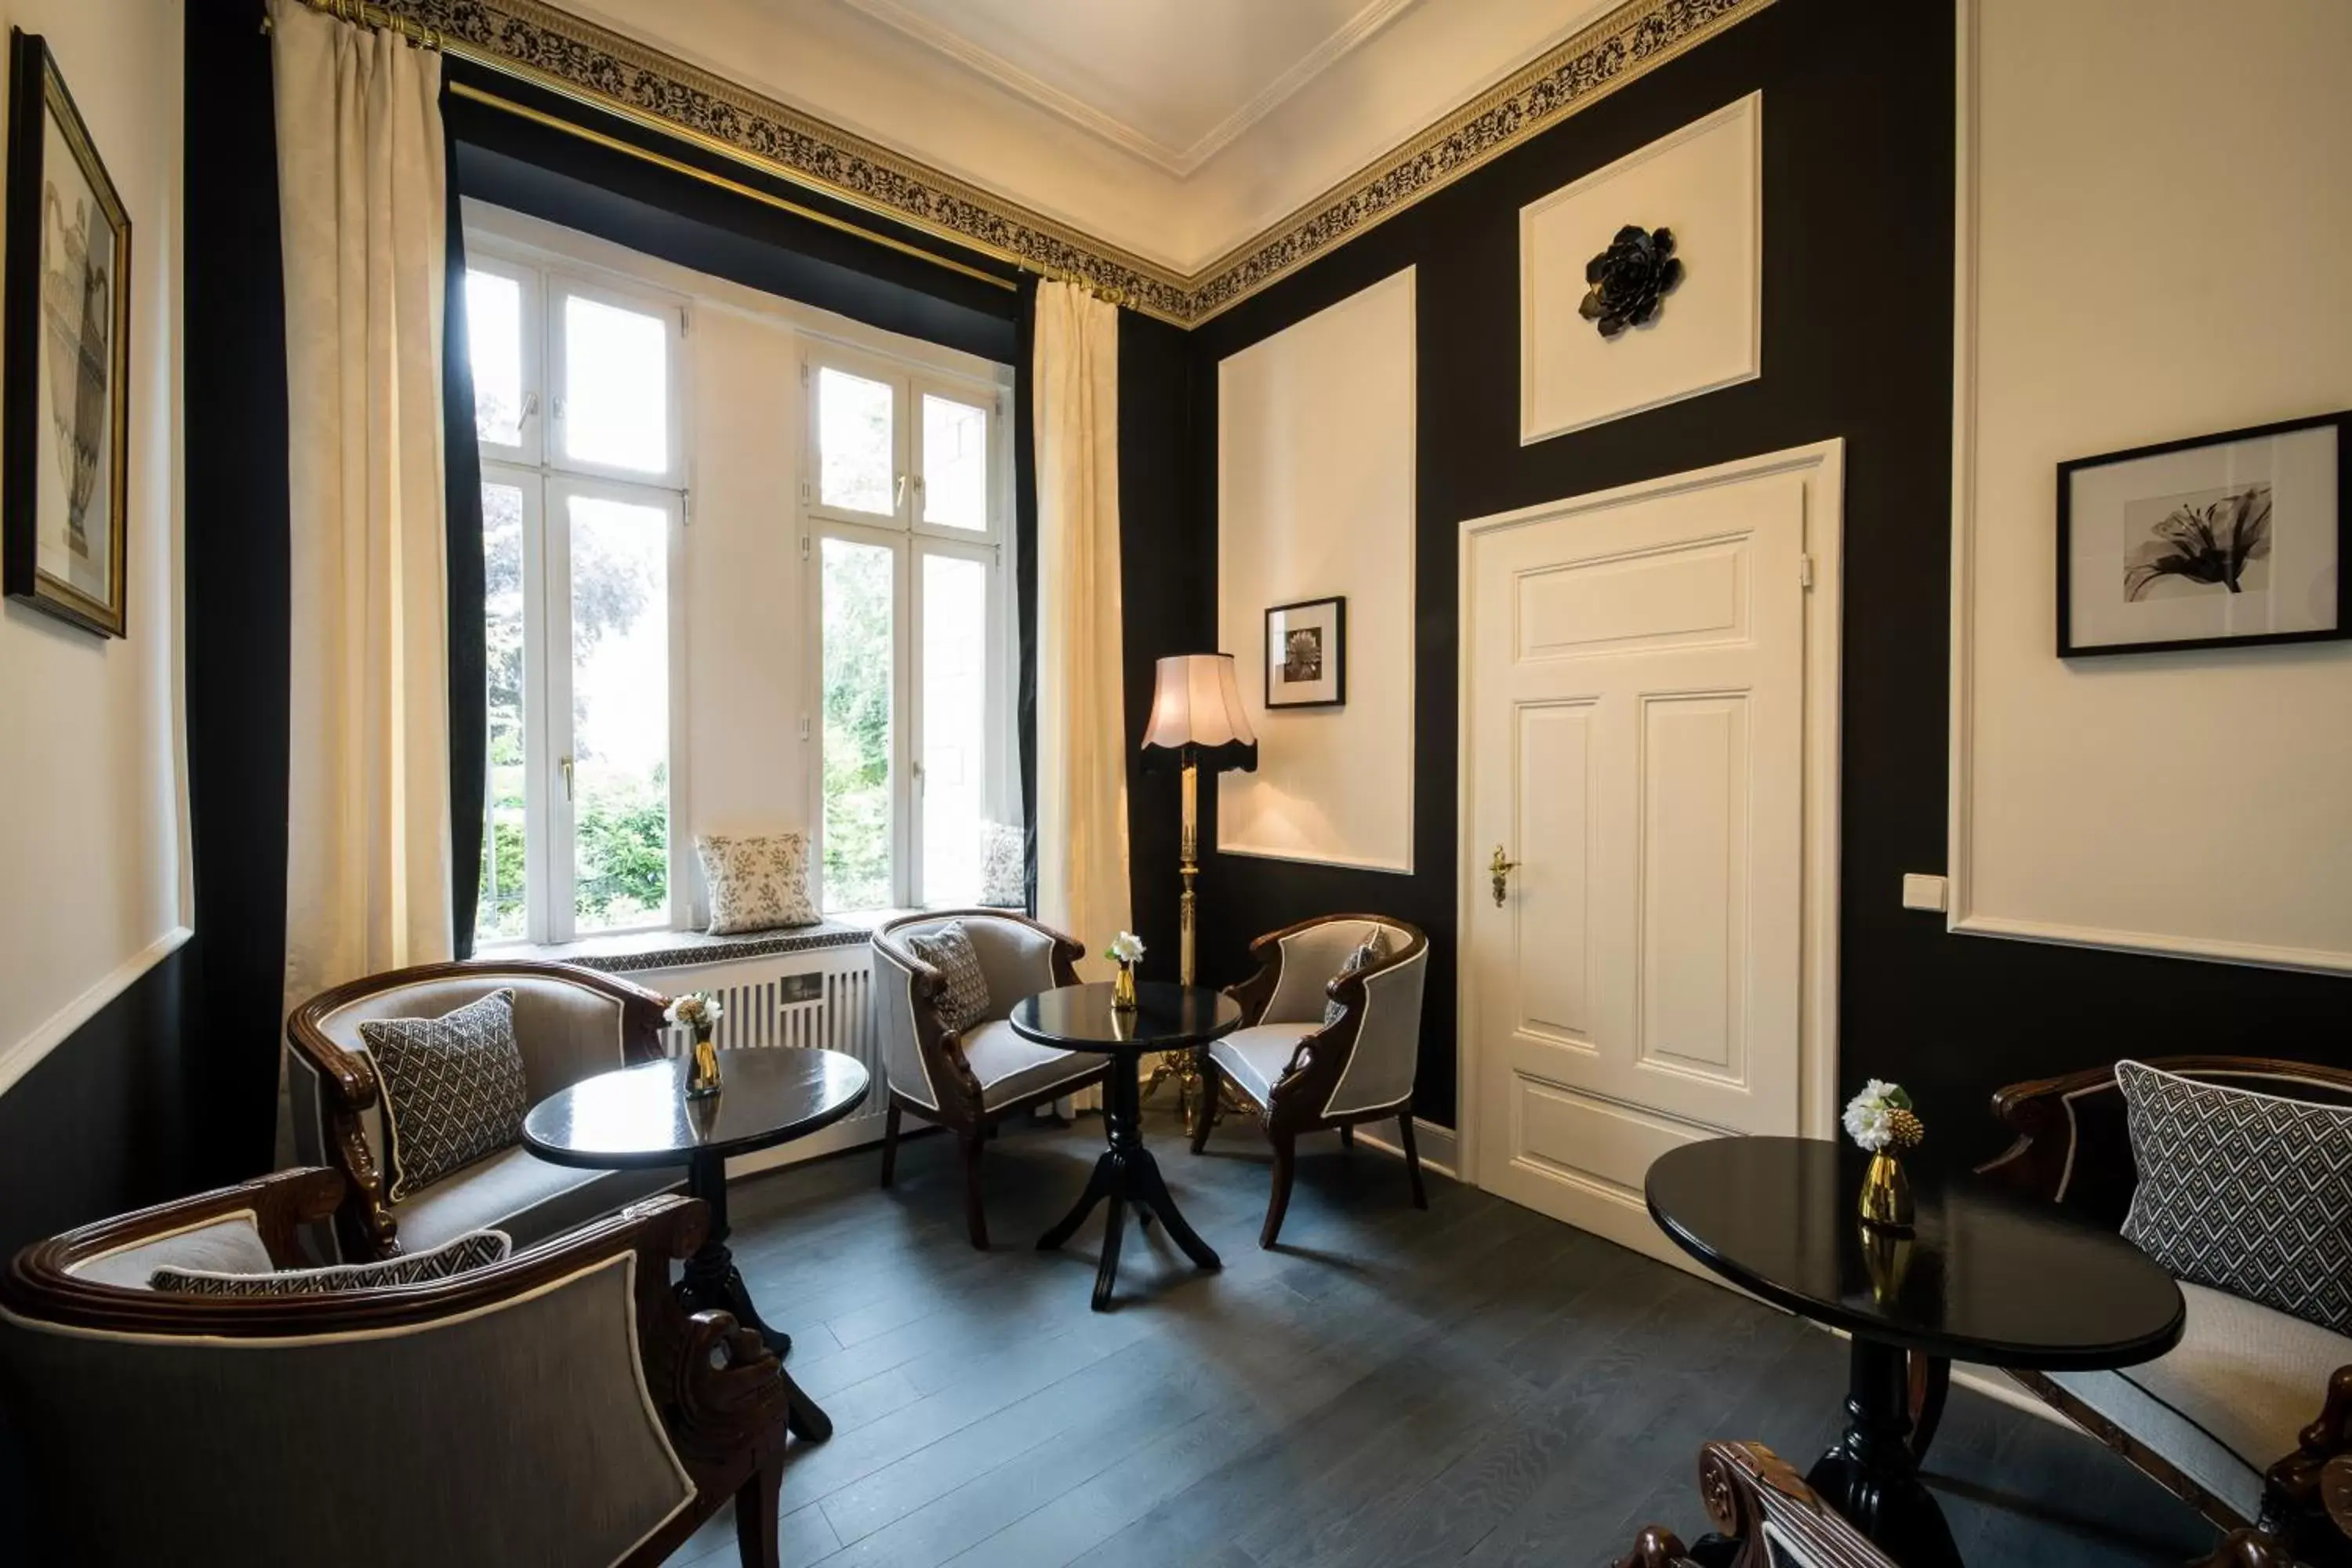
1307, 654
2219, 541
65, 357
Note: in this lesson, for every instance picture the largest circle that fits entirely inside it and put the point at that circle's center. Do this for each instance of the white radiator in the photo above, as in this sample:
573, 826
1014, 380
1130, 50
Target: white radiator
793, 1001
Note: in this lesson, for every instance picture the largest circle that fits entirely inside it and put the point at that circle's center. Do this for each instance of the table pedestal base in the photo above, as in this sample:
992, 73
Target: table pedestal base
711, 1283
1127, 1174
1870, 1475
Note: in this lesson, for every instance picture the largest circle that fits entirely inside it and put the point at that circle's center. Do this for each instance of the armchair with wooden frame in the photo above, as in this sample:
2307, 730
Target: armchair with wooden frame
1304, 1075
558, 1406
969, 1080
2242, 1416
569, 1022
1768, 1517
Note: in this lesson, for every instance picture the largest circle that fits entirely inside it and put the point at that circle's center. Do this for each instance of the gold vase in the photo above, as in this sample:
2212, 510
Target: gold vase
702, 1081
1122, 988
1885, 1193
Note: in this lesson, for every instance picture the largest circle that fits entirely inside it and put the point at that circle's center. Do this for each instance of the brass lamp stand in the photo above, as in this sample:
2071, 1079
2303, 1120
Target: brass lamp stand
1196, 713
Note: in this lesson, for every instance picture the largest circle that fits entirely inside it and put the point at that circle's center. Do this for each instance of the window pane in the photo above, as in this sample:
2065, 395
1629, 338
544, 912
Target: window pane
616, 387
854, 467
955, 463
955, 726
620, 713
857, 665
498, 916
494, 344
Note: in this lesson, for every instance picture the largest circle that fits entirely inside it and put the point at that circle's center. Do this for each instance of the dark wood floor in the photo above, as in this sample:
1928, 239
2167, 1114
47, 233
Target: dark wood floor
1474, 1385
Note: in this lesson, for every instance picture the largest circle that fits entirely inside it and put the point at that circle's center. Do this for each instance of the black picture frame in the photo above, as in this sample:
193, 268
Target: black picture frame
1336, 606
2069, 643
38, 96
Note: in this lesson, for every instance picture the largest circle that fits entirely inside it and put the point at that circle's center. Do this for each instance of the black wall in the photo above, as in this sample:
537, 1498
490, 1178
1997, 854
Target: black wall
1858, 114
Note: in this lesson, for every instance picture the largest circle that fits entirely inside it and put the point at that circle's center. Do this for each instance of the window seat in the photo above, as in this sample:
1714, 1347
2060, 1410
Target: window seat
628, 952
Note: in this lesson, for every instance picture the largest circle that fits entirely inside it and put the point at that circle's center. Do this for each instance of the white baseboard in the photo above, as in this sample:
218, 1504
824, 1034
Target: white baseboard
1439, 1147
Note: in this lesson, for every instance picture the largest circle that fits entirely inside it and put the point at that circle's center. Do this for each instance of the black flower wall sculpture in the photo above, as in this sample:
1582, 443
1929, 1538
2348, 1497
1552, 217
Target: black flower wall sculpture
1627, 278
2208, 544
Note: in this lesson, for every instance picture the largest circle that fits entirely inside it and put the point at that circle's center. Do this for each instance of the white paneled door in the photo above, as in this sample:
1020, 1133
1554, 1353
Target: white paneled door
1635, 717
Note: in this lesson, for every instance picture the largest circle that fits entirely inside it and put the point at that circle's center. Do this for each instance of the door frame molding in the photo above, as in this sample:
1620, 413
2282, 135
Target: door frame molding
1823, 463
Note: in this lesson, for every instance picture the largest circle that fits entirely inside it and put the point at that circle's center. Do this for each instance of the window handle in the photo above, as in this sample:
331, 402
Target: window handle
530, 404
565, 763
899, 503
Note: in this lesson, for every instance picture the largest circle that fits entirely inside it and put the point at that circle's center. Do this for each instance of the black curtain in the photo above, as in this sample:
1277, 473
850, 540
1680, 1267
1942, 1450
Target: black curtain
237, 604
469, 718
1024, 572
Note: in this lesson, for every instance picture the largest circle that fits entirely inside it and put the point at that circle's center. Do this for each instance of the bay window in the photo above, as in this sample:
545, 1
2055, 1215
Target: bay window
907, 523
584, 491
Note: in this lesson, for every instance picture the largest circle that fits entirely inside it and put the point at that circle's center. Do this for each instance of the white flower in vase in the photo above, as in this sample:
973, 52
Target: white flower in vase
1126, 949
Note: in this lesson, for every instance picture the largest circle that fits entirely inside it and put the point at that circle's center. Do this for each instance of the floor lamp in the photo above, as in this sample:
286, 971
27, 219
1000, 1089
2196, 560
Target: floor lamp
1197, 718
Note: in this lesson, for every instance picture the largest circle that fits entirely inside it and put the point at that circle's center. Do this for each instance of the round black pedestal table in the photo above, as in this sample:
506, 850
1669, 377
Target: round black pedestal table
1165, 1019
639, 1117
1982, 1276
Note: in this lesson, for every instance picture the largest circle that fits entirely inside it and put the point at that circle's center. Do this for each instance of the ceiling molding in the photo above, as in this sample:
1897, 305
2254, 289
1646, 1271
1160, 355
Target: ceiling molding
596, 66
1177, 160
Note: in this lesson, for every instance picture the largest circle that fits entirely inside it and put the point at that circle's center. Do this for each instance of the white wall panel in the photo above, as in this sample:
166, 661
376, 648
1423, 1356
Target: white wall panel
1706, 184
92, 828
2198, 802
1315, 497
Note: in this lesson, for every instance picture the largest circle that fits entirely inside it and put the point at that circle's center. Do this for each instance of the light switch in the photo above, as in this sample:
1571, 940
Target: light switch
1922, 892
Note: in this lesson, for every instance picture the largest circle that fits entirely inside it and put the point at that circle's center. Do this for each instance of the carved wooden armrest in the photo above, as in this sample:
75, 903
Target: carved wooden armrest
280, 1203
2247, 1549
1656, 1547
2039, 1162
2295, 1505
725, 1387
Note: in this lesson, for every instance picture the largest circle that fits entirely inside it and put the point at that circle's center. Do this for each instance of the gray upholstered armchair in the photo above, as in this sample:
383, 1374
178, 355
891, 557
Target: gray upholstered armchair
1306, 1074
972, 1078
557, 1407
569, 1022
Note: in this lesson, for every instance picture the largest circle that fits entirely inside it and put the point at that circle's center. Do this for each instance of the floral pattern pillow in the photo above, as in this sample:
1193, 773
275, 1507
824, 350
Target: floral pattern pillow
757, 881
1004, 866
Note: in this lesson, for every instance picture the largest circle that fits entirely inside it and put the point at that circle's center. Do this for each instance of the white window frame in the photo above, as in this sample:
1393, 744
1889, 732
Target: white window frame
540, 469
911, 540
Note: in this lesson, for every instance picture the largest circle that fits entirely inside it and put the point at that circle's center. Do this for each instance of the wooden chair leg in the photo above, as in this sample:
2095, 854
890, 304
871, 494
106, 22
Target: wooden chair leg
1285, 1158
1205, 1117
890, 1144
758, 1509
1412, 1158
1348, 1139
975, 1213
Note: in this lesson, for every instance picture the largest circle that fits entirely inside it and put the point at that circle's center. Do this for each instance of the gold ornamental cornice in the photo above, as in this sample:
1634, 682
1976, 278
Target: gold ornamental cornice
560, 53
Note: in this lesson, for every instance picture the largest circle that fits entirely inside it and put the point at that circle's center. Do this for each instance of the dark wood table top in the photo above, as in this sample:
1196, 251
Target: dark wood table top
640, 1116
1985, 1277
1166, 1018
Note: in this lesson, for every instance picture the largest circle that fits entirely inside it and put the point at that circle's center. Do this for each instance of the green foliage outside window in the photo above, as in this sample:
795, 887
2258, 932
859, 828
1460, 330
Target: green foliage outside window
858, 661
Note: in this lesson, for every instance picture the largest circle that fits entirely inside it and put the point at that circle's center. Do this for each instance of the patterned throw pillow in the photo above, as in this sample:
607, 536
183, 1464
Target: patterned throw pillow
453, 1089
2245, 1191
1004, 866
1375, 948
757, 882
950, 951
474, 1249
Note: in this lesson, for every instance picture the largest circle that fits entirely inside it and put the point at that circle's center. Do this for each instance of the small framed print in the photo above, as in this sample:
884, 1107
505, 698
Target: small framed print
64, 370
2223, 540
1307, 654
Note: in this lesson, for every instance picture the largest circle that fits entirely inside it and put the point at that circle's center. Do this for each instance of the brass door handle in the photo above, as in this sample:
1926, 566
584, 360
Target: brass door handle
1501, 869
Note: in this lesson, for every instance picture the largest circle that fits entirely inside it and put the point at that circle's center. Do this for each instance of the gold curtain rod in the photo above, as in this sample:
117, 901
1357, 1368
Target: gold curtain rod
364, 14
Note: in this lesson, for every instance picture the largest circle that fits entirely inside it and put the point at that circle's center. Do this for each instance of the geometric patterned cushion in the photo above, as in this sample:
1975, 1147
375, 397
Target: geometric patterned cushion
472, 1250
453, 1089
757, 882
1375, 948
950, 951
2243, 1192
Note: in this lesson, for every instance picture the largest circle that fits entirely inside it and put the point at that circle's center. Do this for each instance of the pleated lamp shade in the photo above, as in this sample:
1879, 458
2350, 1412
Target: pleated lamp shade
1198, 703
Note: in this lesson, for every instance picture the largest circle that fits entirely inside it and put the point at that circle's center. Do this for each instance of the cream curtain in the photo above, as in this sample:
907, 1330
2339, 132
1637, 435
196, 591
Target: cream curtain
1082, 885
363, 222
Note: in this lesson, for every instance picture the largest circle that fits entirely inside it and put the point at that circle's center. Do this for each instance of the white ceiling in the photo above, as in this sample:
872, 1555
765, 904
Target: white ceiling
1174, 129
1169, 80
